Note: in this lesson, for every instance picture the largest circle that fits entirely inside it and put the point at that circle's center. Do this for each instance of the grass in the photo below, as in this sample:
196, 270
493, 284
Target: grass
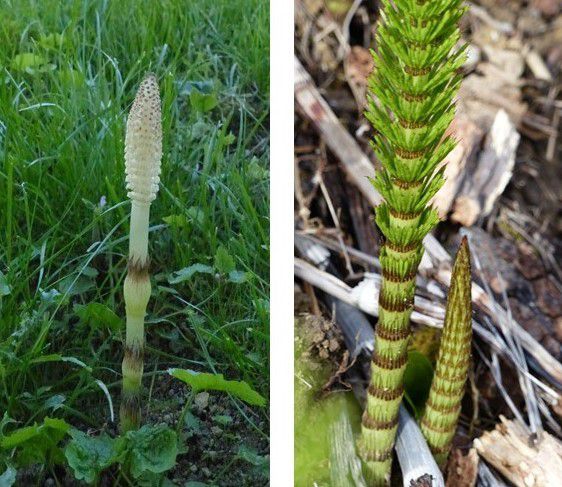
68, 74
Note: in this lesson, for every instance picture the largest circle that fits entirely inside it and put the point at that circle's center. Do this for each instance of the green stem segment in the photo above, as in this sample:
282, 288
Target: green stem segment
414, 82
443, 406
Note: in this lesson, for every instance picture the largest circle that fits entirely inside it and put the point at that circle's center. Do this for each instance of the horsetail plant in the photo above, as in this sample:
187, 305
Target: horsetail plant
143, 153
442, 409
414, 82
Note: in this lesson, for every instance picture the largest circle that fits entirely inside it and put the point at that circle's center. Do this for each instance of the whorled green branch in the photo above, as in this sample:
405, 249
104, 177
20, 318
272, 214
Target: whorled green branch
410, 107
143, 153
443, 406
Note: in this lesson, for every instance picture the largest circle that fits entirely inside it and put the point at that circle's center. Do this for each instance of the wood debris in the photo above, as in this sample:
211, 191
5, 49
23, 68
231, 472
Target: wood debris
507, 448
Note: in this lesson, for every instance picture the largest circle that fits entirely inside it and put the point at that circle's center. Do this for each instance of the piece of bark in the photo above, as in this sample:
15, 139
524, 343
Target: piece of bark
494, 170
507, 449
469, 137
358, 66
537, 66
529, 262
462, 470
549, 297
482, 94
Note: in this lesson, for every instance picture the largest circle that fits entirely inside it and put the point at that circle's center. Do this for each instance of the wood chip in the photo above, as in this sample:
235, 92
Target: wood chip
462, 469
507, 449
494, 170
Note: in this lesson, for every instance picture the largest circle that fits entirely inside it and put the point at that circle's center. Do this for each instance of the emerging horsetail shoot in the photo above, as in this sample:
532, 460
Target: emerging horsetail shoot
143, 154
413, 85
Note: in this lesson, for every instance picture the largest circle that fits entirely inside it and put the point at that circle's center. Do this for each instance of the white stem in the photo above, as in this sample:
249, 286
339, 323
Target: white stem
138, 240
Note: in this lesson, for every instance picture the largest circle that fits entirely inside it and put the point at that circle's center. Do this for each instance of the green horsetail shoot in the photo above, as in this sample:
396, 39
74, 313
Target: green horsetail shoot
443, 406
411, 106
143, 153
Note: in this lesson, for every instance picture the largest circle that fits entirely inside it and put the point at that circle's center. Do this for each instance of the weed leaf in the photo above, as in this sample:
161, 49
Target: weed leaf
153, 449
98, 316
88, 456
224, 263
216, 382
203, 102
37, 443
238, 277
187, 272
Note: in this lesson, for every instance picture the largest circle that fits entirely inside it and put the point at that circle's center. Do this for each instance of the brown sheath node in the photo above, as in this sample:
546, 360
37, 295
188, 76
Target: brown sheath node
394, 305
372, 456
413, 71
403, 215
373, 424
450, 394
406, 184
390, 363
386, 395
414, 97
402, 249
138, 269
439, 429
134, 354
409, 154
394, 277
442, 409
412, 124
461, 378
392, 335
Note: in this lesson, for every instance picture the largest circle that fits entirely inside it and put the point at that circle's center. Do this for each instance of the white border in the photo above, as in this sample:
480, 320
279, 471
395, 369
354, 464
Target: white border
281, 259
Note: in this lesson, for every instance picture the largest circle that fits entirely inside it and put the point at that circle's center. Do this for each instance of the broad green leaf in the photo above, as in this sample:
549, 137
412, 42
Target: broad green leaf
152, 449
19, 436
72, 77
99, 316
417, 380
149, 479
51, 41
88, 456
72, 286
55, 402
27, 60
187, 272
196, 214
176, 221
238, 277
216, 382
256, 171
203, 102
37, 443
224, 263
